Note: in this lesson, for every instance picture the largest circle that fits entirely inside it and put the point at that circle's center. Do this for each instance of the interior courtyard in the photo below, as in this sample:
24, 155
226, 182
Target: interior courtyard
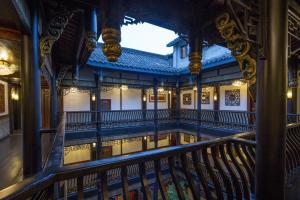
88, 112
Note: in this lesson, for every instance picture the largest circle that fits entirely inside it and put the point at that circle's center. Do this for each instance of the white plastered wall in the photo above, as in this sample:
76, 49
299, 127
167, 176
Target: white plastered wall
131, 99
77, 101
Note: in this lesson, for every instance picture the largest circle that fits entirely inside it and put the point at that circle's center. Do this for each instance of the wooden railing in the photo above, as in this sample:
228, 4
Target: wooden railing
222, 168
213, 167
241, 120
83, 120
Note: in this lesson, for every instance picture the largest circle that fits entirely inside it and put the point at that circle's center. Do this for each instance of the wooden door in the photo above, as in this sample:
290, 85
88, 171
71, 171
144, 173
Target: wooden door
106, 151
105, 104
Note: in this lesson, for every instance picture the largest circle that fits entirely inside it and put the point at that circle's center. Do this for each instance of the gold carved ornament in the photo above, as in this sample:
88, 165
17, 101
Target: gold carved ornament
111, 47
240, 47
195, 62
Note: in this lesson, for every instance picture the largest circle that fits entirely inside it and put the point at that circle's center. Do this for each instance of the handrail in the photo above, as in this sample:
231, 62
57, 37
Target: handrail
231, 157
44, 180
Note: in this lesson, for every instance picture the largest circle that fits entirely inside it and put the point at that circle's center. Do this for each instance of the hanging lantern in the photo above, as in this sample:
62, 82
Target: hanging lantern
195, 55
111, 47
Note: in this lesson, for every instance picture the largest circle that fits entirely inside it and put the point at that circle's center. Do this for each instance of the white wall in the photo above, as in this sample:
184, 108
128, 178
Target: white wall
114, 95
209, 106
160, 105
243, 97
6, 98
75, 155
132, 99
77, 101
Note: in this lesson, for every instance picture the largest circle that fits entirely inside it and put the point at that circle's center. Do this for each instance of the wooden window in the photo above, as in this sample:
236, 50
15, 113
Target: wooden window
183, 52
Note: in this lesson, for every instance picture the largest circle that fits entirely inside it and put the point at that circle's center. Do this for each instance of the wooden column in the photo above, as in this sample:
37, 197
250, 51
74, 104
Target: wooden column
199, 97
177, 104
271, 102
155, 113
144, 103
53, 102
216, 103
98, 115
31, 95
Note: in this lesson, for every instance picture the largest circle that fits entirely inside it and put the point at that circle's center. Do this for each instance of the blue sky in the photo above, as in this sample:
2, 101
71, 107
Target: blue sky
147, 37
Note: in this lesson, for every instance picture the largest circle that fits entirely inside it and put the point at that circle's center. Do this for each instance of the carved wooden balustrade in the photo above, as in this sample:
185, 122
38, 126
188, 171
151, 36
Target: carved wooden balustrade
241, 120
84, 120
221, 168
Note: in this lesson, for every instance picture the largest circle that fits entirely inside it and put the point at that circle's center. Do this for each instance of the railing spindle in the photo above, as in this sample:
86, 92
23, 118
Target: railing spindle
175, 178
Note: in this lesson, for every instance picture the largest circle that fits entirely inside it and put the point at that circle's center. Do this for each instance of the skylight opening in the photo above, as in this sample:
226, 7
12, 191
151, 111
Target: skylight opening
146, 37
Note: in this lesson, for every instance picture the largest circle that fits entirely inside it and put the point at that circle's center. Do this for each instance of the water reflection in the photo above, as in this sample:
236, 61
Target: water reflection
116, 146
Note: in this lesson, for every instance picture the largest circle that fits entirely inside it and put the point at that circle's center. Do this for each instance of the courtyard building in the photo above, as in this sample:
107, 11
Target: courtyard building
83, 117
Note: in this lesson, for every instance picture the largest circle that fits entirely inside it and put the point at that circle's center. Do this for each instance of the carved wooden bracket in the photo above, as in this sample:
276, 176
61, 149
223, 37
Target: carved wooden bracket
240, 48
55, 29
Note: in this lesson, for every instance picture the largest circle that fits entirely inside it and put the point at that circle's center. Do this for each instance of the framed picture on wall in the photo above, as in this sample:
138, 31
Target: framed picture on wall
187, 99
2, 98
205, 99
233, 97
187, 138
160, 98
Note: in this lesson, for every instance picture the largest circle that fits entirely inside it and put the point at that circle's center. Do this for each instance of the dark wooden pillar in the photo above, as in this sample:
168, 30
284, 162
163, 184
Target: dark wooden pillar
155, 113
177, 104
199, 97
271, 102
31, 95
98, 116
144, 103
53, 102
216, 100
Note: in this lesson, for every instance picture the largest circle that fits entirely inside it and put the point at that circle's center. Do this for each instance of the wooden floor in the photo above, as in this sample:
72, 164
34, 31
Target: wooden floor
11, 160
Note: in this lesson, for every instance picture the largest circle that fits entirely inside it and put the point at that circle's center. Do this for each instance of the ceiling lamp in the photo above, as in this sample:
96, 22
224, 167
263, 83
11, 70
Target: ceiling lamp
237, 83
160, 89
73, 89
289, 93
124, 87
6, 67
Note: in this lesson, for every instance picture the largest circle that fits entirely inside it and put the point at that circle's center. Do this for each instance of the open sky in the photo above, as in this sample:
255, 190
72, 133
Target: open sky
147, 37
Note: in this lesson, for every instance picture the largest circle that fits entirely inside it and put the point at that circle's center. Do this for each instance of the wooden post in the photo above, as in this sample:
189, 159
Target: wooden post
31, 94
199, 97
155, 113
177, 104
53, 103
144, 104
216, 103
271, 102
98, 115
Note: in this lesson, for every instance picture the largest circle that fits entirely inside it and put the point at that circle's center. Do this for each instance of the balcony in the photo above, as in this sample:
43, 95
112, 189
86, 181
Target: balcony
221, 168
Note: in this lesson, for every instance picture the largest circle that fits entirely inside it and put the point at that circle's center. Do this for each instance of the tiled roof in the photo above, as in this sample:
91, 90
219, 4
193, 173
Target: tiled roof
145, 62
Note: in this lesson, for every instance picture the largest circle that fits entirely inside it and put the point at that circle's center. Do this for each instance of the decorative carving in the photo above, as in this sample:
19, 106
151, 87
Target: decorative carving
55, 29
195, 62
205, 99
91, 41
241, 49
111, 47
187, 99
232, 97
